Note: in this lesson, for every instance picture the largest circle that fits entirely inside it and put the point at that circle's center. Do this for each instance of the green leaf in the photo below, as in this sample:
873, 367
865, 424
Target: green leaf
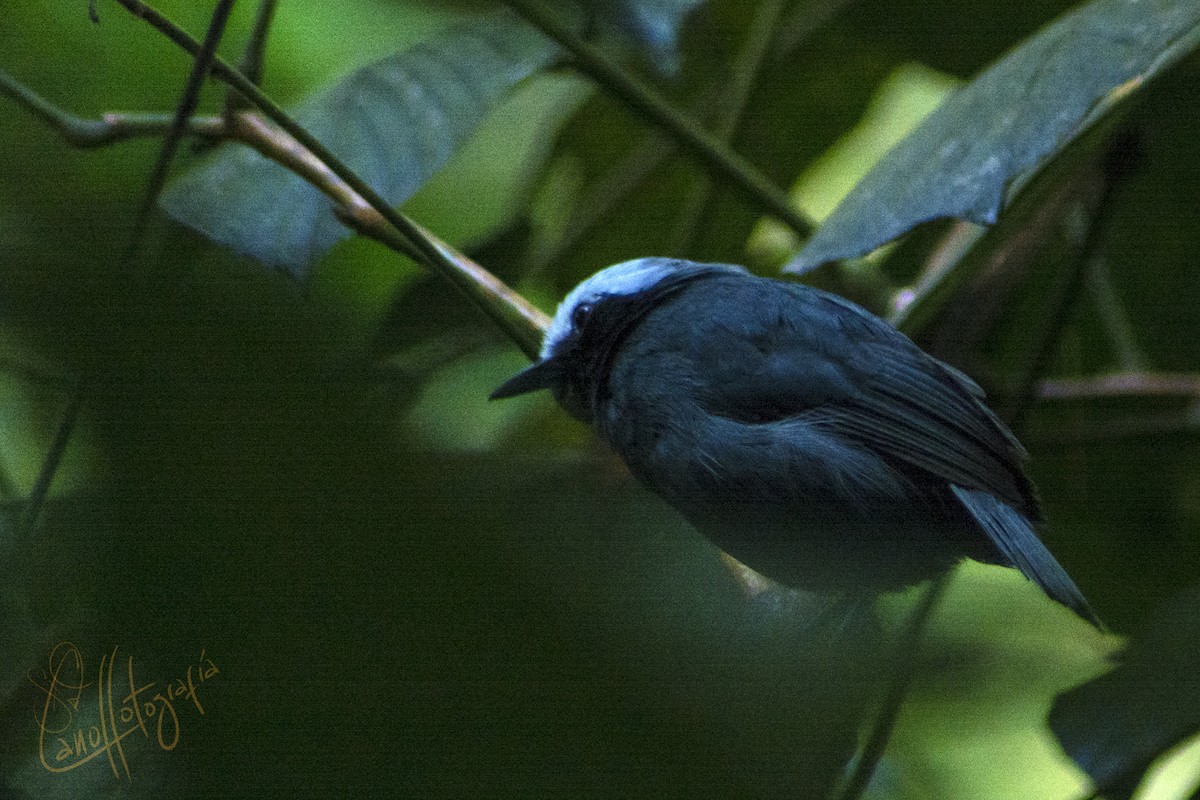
1116, 725
395, 122
991, 136
995, 655
653, 24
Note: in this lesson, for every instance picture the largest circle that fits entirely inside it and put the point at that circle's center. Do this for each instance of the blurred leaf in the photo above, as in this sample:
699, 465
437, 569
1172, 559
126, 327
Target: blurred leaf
1116, 725
612, 174
426, 626
653, 24
1008, 121
395, 122
464, 386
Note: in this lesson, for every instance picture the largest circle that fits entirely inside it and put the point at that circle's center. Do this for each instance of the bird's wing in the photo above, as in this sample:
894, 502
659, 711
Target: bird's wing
926, 414
912, 408
855, 376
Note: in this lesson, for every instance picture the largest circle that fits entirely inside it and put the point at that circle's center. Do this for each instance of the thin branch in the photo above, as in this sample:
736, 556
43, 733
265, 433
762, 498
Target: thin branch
469, 276
805, 19
731, 112
1113, 318
253, 59
183, 112
598, 200
656, 148
1091, 249
54, 456
889, 710
158, 178
609, 191
1178, 424
8, 487
759, 44
109, 129
516, 316
1047, 340
708, 148
298, 151
938, 269
1122, 384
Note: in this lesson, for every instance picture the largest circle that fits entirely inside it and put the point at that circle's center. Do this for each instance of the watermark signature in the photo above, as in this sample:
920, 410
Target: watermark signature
79, 720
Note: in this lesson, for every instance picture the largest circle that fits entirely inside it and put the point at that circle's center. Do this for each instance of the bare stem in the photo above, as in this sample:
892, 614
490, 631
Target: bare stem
907, 650
183, 112
805, 19
1122, 384
253, 58
1113, 319
58, 449
727, 121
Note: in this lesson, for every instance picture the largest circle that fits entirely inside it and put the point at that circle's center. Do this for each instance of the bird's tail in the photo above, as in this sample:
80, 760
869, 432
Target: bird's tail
1014, 536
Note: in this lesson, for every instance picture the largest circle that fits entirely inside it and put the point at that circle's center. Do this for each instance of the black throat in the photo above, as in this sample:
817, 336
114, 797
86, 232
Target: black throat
616, 316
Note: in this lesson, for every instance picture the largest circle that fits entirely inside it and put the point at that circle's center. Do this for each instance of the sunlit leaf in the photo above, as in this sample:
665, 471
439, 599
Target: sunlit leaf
395, 122
1008, 122
995, 655
1116, 725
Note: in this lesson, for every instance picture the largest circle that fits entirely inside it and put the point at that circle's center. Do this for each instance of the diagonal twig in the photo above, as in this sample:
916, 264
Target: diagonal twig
897, 690
759, 42
36, 500
253, 57
109, 129
174, 134
518, 318
183, 112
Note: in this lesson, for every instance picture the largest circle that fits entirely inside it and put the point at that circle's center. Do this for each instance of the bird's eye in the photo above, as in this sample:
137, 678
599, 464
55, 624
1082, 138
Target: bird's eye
581, 314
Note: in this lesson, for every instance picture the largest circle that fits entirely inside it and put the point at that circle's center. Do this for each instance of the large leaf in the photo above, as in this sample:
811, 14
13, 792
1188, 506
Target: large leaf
395, 122
1008, 122
1115, 726
994, 656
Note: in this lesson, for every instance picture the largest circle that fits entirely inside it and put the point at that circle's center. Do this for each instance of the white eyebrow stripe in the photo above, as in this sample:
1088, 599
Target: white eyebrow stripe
626, 278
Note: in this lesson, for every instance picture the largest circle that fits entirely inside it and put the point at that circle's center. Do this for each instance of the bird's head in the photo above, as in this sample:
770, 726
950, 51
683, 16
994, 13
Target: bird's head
590, 325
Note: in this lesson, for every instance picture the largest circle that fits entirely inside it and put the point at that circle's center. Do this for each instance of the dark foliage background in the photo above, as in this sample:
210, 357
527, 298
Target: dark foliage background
284, 456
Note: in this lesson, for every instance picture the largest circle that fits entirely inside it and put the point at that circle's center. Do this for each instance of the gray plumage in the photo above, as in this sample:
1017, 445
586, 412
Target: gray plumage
803, 435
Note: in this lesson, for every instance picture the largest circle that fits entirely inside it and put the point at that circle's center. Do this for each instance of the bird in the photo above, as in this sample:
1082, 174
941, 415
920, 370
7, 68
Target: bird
806, 437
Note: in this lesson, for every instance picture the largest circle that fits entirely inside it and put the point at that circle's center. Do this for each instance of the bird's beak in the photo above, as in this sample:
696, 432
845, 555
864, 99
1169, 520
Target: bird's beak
544, 374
